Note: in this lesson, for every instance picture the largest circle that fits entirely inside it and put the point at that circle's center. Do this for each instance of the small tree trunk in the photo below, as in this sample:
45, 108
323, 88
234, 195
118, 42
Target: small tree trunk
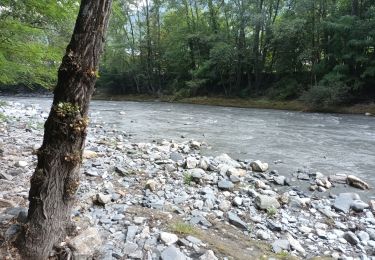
56, 178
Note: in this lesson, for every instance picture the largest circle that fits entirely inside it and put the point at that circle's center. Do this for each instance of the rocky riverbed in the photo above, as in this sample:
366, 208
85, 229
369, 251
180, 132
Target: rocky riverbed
164, 200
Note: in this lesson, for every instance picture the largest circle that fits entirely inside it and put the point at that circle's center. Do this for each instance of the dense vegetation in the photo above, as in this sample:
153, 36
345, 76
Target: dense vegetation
321, 51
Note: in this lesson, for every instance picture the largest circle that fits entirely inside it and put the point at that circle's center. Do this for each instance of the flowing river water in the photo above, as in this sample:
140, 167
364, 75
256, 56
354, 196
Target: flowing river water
329, 143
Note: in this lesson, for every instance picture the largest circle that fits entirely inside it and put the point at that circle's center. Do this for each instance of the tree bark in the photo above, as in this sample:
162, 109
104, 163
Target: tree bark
56, 177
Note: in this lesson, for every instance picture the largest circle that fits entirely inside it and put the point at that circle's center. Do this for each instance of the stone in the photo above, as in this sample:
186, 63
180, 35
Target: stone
151, 185
224, 205
88, 154
168, 238
91, 173
295, 244
273, 226
131, 232
129, 248
338, 178
237, 201
371, 233
226, 160
6, 176
6, 203
363, 236
225, 185
344, 201
236, 221
263, 235
279, 245
280, 180
265, 202
357, 182
176, 157
258, 166
208, 255
197, 173
11, 233
305, 229
194, 240
236, 172
86, 243
173, 253
235, 179
21, 164
358, 205
351, 238
103, 199
191, 163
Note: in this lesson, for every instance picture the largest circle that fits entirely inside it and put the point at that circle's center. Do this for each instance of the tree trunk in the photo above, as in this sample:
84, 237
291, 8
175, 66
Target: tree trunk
56, 178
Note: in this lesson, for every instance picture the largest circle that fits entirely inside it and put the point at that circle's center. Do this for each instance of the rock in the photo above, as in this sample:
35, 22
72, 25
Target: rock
176, 157
261, 185
168, 238
197, 173
6, 176
236, 172
358, 205
265, 202
87, 154
258, 166
225, 185
86, 243
368, 114
6, 203
295, 244
280, 180
372, 205
204, 163
151, 185
194, 240
305, 229
351, 238
129, 248
303, 176
234, 178
92, 173
173, 253
357, 182
191, 163
338, 178
371, 233
21, 164
11, 232
226, 160
237, 201
103, 199
344, 201
224, 205
363, 236
195, 144
236, 221
279, 245
131, 232
263, 235
273, 226
208, 255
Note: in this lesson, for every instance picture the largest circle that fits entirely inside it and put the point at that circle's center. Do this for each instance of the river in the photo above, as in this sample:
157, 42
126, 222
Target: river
329, 143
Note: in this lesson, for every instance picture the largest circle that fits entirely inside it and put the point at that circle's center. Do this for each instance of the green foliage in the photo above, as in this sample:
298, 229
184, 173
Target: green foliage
188, 179
271, 212
183, 228
285, 89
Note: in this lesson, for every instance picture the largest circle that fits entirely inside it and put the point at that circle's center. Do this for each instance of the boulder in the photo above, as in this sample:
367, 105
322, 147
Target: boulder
344, 201
103, 199
357, 182
173, 253
86, 243
168, 238
258, 166
225, 185
191, 163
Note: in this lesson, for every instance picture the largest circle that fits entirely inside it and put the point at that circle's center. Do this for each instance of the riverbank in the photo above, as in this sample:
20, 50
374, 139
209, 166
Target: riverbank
165, 200
293, 105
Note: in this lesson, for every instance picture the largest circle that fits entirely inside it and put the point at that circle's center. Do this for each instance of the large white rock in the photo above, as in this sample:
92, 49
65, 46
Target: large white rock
86, 243
168, 238
258, 166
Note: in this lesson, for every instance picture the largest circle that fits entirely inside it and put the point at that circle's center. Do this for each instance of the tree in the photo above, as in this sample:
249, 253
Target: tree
56, 178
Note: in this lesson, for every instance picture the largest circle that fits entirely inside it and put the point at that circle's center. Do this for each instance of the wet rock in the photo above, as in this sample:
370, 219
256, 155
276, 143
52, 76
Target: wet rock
86, 243
265, 202
225, 185
173, 253
168, 238
357, 182
258, 166
236, 221
279, 245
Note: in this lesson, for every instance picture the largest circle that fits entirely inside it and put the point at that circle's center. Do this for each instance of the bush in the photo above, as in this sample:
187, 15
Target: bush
285, 89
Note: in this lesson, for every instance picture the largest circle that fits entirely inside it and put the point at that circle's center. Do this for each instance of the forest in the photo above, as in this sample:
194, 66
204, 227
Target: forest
318, 51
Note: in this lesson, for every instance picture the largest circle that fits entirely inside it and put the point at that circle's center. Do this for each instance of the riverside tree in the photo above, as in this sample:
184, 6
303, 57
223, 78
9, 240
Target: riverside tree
56, 177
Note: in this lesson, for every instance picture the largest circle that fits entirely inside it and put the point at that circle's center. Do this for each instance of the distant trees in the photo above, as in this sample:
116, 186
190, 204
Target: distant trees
320, 50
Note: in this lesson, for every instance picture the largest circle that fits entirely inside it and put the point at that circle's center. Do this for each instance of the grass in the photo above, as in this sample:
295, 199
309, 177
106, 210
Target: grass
188, 179
183, 228
262, 102
271, 212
